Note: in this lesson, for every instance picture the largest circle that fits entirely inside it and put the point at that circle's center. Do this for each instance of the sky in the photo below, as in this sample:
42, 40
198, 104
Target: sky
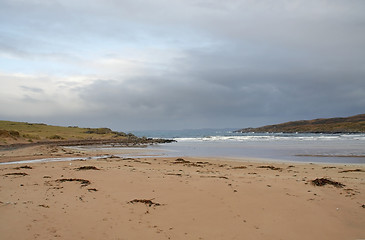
180, 64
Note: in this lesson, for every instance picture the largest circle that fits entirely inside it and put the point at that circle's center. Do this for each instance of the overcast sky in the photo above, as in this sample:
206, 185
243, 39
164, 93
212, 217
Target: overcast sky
177, 64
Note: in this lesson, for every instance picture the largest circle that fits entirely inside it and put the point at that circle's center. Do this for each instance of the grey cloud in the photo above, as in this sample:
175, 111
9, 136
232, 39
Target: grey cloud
320, 29
283, 23
29, 99
241, 63
204, 100
32, 89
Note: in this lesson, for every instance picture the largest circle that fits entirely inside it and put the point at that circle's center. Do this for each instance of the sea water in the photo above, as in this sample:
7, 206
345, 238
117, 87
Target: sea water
225, 143
308, 147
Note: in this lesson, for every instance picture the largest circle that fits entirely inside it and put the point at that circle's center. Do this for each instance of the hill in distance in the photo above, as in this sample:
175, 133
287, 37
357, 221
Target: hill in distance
16, 132
39, 133
353, 124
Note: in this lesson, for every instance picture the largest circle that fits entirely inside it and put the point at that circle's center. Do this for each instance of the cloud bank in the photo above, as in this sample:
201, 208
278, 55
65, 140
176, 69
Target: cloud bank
180, 64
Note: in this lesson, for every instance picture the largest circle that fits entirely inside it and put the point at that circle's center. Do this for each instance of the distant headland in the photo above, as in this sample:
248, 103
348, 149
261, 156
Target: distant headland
19, 134
353, 124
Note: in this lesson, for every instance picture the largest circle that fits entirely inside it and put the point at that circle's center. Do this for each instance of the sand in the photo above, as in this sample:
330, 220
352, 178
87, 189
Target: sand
54, 151
190, 198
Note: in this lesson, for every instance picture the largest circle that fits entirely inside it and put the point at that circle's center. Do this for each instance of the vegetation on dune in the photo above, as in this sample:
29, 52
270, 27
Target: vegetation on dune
22, 132
354, 124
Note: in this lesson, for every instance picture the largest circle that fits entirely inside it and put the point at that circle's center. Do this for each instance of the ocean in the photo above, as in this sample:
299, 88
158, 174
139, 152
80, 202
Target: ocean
225, 143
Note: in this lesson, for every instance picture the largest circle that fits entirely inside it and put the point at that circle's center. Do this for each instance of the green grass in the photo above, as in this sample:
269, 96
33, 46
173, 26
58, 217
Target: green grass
38, 131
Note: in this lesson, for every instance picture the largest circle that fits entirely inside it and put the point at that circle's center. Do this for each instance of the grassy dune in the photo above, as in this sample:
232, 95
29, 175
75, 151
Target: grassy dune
23, 132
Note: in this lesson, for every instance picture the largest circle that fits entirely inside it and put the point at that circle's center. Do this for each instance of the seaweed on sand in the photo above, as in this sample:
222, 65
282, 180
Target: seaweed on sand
148, 202
181, 160
17, 174
23, 167
87, 168
352, 170
82, 181
271, 167
325, 181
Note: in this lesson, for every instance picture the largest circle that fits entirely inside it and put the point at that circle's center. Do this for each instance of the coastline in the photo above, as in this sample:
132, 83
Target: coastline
25, 152
178, 198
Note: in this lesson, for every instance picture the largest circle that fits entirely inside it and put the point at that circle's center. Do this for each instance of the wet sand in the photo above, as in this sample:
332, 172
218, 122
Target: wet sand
170, 198
52, 151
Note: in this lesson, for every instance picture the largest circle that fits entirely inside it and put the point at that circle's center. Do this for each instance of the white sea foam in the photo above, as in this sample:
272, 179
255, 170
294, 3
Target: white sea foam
273, 137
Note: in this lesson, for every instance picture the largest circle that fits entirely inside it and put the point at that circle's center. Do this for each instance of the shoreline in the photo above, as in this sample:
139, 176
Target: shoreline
87, 142
50, 153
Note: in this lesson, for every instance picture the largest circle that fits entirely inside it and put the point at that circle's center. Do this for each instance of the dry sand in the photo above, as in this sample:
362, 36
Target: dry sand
165, 198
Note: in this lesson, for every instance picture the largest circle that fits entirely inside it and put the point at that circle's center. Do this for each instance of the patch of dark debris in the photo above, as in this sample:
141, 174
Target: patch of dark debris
325, 181
223, 177
240, 167
180, 160
352, 170
16, 174
82, 181
271, 167
206, 163
174, 174
23, 167
148, 202
43, 205
87, 168
188, 163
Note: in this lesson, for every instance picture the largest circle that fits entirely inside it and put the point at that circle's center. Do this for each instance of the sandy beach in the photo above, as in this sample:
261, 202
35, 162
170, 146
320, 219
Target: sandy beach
177, 198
